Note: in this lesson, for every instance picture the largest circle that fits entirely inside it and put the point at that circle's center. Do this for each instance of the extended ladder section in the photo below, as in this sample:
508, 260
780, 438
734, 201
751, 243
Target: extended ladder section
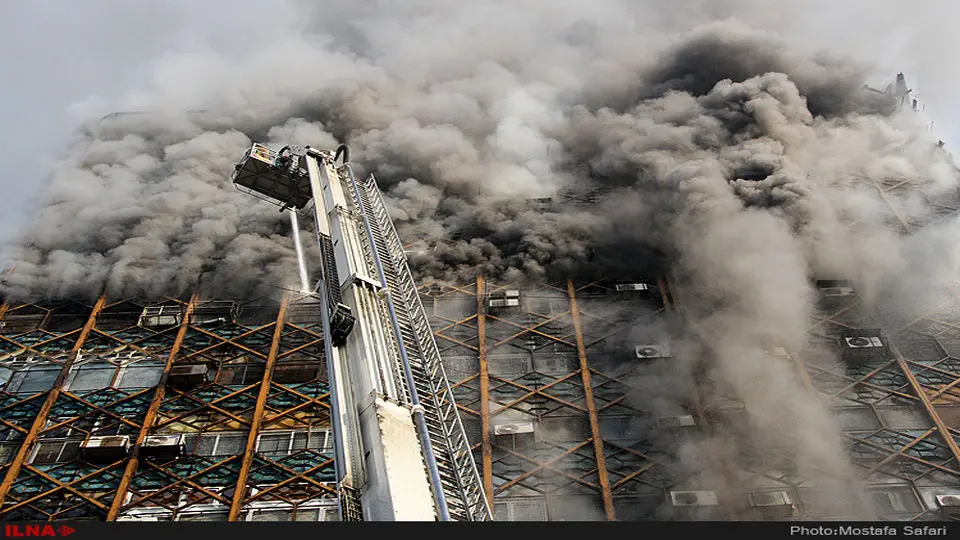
462, 487
398, 437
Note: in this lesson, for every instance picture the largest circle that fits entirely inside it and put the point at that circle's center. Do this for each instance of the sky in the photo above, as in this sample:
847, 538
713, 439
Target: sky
69, 62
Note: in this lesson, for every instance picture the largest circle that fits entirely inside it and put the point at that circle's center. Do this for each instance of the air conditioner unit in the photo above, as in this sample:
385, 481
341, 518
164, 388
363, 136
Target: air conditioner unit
105, 448
773, 503
162, 447
188, 375
514, 428
863, 342
138, 518
676, 422
511, 293
631, 287
694, 498
837, 291
503, 302
949, 503
647, 352
833, 288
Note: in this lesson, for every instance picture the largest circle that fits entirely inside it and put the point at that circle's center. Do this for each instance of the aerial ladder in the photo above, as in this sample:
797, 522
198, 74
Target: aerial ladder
400, 449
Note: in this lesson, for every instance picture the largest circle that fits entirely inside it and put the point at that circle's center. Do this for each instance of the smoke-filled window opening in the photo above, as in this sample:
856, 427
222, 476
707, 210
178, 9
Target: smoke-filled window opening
22, 319
544, 302
119, 316
575, 508
67, 317
554, 361
632, 508
625, 430
564, 428
258, 312
455, 307
304, 313
723, 406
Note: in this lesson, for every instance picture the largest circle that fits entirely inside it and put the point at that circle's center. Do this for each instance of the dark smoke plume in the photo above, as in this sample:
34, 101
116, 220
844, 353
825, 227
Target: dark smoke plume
739, 162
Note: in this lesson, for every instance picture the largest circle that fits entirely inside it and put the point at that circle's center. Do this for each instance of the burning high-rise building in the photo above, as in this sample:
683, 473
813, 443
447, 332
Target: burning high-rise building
715, 282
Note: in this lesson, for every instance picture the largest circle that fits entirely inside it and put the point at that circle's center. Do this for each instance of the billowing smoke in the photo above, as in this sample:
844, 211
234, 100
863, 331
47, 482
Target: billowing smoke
740, 163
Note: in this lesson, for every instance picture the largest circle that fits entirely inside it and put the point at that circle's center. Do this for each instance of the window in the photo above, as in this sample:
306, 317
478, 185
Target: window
91, 376
552, 364
56, 450
140, 375
619, 428
509, 367
270, 515
205, 516
7, 451
565, 428
284, 443
276, 512
241, 374
526, 509
5, 374
895, 500
220, 444
38, 378
310, 515
295, 373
